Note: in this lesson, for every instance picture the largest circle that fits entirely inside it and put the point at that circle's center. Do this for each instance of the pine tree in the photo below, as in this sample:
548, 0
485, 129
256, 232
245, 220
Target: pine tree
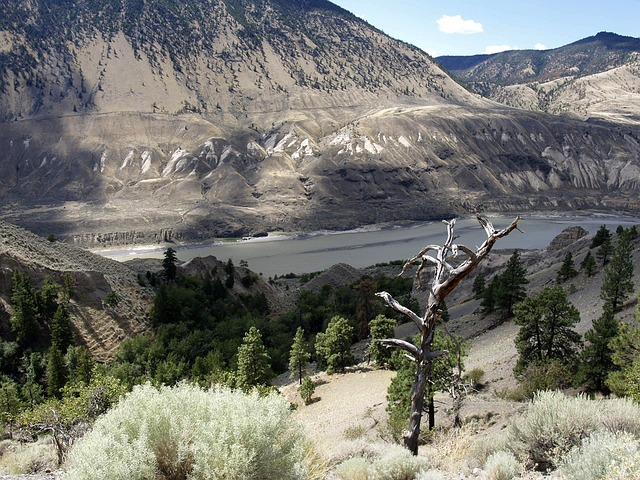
364, 309
10, 404
567, 270
56, 372
381, 327
299, 355
589, 265
511, 287
334, 345
169, 264
546, 328
307, 388
604, 251
626, 356
596, 361
489, 296
602, 235
24, 322
61, 330
618, 279
479, 284
254, 363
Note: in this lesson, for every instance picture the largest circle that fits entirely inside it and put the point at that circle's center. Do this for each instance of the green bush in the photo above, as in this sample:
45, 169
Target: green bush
380, 462
307, 389
502, 465
603, 455
187, 432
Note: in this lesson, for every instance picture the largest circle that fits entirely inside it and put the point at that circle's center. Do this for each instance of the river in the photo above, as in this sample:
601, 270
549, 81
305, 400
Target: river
281, 255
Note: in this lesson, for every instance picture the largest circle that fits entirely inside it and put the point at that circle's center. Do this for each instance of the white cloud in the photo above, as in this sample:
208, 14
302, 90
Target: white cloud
498, 48
456, 24
540, 46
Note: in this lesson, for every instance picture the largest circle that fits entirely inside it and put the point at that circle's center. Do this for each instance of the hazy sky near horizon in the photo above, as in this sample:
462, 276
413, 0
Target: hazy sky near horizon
469, 27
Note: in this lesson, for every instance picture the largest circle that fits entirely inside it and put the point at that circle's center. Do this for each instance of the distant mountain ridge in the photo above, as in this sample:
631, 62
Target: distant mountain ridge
596, 77
145, 121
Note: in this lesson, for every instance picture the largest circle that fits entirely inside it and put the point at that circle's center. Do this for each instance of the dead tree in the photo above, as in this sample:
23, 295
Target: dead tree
445, 279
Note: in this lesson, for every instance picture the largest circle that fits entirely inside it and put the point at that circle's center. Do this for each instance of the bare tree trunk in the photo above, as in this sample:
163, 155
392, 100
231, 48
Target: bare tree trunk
444, 281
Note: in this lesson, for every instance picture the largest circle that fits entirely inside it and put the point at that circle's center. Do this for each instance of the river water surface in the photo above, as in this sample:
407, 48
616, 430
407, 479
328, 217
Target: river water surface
280, 255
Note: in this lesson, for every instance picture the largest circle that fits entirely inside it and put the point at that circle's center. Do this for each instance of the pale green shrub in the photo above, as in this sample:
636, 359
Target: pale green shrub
552, 425
603, 455
502, 465
621, 415
555, 423
380, 462
482, 447
356, 468
397, 464
29, 458
186, 432
431, 475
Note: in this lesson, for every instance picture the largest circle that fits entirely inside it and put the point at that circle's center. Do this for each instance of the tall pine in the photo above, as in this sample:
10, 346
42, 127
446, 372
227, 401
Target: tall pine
596, 361
254, 362
618, 277
511, 287
298, 355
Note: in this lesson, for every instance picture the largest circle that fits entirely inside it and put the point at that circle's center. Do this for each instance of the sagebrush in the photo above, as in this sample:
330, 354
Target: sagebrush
187, 432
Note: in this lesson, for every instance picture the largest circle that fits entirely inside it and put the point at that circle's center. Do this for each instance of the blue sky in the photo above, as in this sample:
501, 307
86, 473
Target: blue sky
469, 27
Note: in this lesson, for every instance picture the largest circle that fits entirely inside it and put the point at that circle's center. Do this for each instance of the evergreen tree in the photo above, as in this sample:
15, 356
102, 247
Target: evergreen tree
47, 299
602, 235
589, 265
24, 322
333, 346
299, 355
169, 264
307, 387
626, 356
567, 270
10, 404
596, 358
618, 279
604, 251
489, 296
479, 284
546, 328
254, 363
381, 327
56, 372
61, 330
511, 287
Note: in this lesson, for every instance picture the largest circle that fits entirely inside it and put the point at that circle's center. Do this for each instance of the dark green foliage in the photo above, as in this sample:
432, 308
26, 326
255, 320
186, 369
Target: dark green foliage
254, 363
381, 327
299, 354
604, 251
589, 265
602, 235
169, 264
307, 388
546, 328
61, 331
618, 277
626, 357
596, 358
511, 288
333, 347
479, 284
56, 372
567, 269
506, 289
24, 322
10, 404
